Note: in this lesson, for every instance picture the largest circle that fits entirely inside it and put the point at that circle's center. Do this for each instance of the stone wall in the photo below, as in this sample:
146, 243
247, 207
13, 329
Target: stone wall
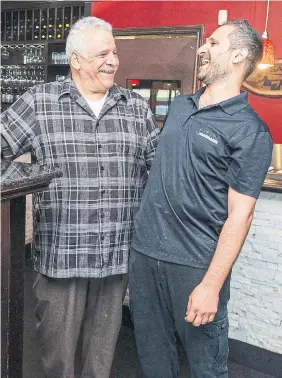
255, 307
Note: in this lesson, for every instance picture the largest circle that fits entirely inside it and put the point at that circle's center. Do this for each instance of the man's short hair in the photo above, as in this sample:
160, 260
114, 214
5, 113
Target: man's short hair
245, 36
75, 40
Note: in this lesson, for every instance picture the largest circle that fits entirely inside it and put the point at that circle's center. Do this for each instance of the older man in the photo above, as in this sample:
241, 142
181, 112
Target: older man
103, 138
212, 158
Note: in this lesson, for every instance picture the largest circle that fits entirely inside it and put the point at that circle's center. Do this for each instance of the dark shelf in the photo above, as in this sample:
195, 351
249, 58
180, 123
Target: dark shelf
58, 65
23, 64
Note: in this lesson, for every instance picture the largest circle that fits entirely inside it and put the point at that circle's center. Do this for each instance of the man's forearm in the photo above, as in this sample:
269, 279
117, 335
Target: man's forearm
230, 242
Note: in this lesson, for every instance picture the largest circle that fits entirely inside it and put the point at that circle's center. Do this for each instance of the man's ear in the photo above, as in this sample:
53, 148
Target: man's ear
239, 55
75, 60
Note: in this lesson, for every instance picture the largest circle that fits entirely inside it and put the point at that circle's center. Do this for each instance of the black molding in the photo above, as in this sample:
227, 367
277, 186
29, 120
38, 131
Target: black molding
260, 359
21, 5
7, 194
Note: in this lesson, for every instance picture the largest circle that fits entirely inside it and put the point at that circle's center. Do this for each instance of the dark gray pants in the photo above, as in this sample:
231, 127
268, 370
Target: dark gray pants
73, 309
159, 293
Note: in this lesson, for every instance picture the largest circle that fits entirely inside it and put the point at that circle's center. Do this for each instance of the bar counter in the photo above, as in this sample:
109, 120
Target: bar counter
273, 182
17, 180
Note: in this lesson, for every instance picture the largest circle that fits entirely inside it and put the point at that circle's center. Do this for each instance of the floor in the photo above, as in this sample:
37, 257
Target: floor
126, 362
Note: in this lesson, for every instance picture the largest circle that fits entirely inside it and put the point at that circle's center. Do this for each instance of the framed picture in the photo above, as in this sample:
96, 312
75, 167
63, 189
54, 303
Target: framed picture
159, 63
266, 82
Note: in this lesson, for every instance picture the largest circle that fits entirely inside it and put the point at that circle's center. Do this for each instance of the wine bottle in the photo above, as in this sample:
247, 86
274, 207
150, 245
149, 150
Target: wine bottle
22, 26
51, 23
59, 29
8, 26
67, 21
36, 24
75, 14
2, 26
15, 26
44, 24
29, 26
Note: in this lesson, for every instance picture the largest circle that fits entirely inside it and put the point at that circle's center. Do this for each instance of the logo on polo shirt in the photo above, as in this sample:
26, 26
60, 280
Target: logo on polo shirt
208, 135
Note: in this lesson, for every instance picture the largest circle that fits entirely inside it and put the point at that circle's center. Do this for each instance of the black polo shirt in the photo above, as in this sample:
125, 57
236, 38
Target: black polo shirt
201, 153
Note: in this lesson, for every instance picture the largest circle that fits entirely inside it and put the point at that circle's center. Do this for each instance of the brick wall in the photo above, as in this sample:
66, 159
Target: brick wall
255, 307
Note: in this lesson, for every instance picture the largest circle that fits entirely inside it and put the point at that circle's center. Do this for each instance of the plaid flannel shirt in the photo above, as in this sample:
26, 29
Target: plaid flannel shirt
83, 224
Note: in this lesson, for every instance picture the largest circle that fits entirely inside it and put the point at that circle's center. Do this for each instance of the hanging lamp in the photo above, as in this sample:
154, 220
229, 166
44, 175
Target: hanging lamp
267, 59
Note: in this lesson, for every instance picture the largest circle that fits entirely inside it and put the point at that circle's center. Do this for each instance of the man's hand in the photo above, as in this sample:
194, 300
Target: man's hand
202, 305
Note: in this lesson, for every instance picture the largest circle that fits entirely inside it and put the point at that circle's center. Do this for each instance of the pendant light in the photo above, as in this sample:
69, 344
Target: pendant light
267, 59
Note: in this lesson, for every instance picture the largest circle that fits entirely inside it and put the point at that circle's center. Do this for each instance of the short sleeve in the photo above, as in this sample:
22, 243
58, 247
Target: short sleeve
17, 124
250, 160
152, 137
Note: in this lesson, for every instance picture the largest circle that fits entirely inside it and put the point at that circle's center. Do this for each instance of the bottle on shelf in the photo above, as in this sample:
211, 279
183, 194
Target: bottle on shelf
2, 26
51, 24
15, 36
67, 21
43, 24
8, 23
22, 26
75, 14
29, 26
36, 24
59, 23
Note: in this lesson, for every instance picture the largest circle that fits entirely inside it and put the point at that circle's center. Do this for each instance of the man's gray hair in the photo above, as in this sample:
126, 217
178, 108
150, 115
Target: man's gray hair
245, 36
75, 40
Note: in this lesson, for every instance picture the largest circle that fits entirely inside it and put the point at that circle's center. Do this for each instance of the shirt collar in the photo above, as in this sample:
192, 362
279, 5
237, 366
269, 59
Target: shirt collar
231, 106
69, 87
65, 87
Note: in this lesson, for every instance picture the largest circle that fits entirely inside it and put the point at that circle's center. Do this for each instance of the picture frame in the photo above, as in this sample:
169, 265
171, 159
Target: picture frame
151, 52
154, 60
266, 82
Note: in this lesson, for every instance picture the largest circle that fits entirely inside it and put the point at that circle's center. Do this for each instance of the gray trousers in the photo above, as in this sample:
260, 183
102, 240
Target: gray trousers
78, 319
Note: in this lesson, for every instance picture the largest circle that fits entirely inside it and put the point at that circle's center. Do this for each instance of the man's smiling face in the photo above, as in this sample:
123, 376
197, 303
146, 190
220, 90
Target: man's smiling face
99, 62
215, 56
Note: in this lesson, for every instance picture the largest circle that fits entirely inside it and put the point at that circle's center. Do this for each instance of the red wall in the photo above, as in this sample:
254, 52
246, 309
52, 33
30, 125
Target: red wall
141, 14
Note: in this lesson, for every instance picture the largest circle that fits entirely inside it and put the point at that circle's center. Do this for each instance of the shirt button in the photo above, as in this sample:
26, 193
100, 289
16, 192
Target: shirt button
102, 237
102, 215
102, 168
103, 192
99, 145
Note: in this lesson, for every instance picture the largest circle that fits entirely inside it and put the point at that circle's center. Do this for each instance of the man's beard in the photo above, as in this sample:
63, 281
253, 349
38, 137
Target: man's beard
213, 73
